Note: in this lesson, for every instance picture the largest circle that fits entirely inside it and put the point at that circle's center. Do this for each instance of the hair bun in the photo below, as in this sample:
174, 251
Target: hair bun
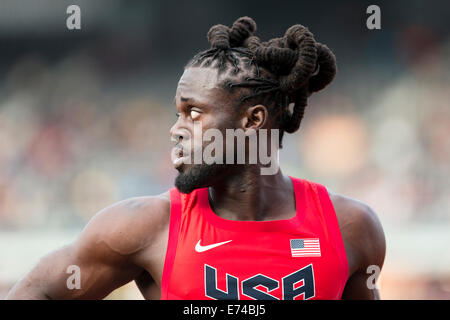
300, 39
242, 28
218, 37
299, 64
326, 62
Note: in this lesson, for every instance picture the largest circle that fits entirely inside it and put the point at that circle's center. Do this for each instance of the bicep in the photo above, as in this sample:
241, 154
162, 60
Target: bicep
361, 286
103, 257
73, 272
365, 245
86, 269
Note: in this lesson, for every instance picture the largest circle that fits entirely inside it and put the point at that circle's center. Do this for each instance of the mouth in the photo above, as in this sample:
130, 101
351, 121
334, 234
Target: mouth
178, 156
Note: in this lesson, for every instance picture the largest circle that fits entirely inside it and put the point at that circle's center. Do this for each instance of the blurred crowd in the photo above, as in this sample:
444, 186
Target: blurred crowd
72, 143
69, 146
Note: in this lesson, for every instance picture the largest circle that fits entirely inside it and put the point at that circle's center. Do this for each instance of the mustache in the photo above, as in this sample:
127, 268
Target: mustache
180, 148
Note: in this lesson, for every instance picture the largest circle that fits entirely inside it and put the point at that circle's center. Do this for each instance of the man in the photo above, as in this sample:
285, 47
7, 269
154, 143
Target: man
228, 231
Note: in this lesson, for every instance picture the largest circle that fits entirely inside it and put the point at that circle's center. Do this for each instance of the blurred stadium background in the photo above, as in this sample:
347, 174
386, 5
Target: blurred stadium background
84, 119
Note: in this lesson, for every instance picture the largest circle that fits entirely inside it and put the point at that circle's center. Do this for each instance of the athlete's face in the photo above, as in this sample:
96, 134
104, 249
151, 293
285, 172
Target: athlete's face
201, 104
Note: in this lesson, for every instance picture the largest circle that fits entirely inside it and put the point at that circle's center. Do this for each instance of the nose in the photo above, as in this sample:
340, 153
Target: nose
177, 133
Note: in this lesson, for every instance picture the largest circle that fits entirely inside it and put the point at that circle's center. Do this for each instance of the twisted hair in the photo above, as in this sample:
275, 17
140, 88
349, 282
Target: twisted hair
295, 66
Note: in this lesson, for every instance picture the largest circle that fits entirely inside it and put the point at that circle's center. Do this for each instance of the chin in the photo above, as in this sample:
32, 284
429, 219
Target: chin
197, 176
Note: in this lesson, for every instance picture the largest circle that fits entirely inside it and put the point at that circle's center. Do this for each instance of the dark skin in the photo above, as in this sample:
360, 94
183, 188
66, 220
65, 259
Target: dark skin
128, 240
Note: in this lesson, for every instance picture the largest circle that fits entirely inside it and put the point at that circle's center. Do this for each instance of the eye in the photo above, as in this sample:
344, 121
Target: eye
194, 114
177, 114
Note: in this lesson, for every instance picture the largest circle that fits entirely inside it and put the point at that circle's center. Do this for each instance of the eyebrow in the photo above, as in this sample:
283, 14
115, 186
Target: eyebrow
190, 100
185, 99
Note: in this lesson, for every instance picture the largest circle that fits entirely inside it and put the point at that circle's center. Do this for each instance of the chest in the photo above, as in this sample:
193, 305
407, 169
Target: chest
213, 264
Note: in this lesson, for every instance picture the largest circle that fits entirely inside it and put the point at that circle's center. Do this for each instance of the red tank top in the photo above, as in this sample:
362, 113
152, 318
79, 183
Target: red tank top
209, 257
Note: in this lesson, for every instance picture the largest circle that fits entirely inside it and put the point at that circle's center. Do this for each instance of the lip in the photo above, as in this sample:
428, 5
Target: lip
177, 157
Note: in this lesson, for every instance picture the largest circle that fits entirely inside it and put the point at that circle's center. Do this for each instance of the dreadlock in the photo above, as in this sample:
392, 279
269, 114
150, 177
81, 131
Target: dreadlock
295, 66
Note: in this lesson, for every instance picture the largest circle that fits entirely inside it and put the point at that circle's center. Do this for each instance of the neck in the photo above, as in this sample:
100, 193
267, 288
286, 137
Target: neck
249, 195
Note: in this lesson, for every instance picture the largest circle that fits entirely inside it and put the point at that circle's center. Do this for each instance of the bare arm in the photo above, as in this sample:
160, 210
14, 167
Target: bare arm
365, 246
104, 254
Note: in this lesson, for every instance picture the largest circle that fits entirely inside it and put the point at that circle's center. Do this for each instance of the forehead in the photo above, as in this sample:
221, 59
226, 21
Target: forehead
202, 85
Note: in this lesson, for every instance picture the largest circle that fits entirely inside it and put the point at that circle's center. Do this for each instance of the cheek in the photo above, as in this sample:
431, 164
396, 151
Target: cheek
221, 121
211, 125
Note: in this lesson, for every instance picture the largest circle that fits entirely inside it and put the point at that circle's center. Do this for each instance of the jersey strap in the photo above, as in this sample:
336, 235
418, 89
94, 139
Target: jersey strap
175, 217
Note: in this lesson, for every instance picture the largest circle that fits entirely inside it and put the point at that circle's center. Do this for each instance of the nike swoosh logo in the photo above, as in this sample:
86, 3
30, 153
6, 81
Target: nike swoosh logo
200, 248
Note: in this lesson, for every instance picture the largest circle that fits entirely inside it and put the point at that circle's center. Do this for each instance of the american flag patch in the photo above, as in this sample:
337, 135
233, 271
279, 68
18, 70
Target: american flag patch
305, 247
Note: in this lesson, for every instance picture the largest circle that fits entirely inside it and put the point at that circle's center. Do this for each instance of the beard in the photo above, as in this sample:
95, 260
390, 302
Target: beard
199, 176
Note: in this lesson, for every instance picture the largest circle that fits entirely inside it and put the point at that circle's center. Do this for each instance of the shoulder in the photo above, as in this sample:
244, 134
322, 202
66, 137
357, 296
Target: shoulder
126, 227
361, 231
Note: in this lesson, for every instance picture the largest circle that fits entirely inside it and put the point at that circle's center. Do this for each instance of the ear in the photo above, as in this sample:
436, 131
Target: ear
255, 117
